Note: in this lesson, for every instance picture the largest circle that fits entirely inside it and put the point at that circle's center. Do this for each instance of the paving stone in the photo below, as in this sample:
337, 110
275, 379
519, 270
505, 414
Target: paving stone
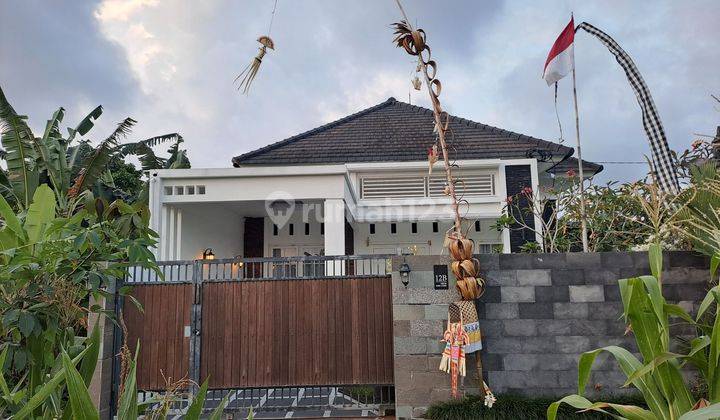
570, 310
492, 328
491, 295
561, 362
427, 328
536, 311
501, 311
410, 312
616, 259
436, 311
687, 259
517, 294
401, 328
552, 294
409, 363
520, 327
605, 310
564, 277
540, 344
594, 293
533, 278
612, 293
583, 260
501, 277
552, 327
515, 261
548, 260
410, 345
602, 276
573, 344
522, 362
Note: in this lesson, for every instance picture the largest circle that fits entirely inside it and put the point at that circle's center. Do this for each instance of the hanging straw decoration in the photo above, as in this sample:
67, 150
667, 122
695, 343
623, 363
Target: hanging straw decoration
250, 71
464, 266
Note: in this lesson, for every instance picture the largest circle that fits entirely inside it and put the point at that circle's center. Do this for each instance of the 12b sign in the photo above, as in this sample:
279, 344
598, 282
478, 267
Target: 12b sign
440, 275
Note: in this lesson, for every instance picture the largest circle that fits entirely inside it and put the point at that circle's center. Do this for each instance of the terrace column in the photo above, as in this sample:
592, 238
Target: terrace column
334, 218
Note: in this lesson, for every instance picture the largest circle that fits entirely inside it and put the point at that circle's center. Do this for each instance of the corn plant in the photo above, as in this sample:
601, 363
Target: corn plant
657, 374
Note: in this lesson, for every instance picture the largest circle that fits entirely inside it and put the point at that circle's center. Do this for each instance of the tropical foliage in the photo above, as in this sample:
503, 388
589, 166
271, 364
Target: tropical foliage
50, 266
615, 219
69, 164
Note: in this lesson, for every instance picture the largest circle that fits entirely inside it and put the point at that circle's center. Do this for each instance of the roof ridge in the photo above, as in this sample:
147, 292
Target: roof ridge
236, 160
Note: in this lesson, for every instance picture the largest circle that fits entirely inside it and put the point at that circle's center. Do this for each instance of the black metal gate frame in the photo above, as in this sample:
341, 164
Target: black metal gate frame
362, 266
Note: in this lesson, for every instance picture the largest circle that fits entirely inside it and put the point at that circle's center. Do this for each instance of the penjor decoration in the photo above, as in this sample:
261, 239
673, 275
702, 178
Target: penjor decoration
464, 266
250, 71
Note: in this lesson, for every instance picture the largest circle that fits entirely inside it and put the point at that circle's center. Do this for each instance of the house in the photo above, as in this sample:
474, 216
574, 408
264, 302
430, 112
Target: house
356, 186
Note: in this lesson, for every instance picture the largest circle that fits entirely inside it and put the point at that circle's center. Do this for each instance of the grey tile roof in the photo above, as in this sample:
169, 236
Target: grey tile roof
589, 168
394, 131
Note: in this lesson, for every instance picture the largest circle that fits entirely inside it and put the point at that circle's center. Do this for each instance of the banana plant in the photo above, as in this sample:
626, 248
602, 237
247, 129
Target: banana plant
52, 159
658, 375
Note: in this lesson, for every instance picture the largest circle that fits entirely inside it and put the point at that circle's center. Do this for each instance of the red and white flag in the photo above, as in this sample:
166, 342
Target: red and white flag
561, 59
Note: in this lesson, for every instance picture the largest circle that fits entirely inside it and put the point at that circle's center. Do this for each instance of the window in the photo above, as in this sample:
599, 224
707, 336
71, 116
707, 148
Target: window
190, 190
307, 228
372, 228
201, 190
292, 229
413, 227
393, 228
322, 228
179, 190
168, 190
275, 231
477, 226
436, 228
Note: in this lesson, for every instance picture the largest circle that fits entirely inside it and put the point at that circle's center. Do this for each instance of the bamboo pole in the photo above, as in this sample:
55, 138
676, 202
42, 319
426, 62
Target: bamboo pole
580, 168
437, 113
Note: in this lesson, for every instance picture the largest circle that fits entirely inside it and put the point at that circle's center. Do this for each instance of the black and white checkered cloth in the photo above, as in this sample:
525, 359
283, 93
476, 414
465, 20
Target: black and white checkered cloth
662, 160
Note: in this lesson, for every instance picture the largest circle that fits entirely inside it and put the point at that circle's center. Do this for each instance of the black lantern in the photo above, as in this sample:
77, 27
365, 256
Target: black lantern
208, 254
404, 274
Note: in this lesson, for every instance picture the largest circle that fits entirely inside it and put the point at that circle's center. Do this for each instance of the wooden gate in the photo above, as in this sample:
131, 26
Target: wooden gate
258, 323
297, 332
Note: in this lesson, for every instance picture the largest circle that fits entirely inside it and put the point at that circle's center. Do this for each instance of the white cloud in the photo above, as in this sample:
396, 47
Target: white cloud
121, 10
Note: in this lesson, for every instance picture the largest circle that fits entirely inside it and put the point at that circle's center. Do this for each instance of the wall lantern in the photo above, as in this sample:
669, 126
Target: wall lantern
208, 254
405, 274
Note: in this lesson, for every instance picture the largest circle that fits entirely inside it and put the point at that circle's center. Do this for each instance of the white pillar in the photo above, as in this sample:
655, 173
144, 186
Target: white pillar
155, 203
170, 242
334, 218
163, 232
178, 234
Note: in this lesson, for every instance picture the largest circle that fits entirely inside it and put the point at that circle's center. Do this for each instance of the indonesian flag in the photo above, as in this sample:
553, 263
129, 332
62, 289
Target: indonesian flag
561, 59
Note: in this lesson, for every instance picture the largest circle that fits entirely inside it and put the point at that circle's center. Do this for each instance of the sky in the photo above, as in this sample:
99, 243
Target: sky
170, 65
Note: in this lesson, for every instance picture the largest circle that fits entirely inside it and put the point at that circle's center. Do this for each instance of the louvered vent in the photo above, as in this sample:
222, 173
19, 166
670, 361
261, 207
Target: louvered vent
393, 187
469, 185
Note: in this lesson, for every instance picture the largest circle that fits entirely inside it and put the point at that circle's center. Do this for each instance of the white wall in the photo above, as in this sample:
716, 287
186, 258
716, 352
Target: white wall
308, 213
427, 241
212, 226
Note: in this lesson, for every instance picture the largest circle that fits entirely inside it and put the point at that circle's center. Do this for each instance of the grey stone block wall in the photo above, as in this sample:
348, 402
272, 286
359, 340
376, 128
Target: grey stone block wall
539, 312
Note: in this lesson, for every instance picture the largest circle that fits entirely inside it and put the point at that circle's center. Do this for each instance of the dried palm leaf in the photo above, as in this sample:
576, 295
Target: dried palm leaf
250, 71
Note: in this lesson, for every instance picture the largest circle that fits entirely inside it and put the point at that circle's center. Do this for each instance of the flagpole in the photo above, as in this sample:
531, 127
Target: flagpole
580, 167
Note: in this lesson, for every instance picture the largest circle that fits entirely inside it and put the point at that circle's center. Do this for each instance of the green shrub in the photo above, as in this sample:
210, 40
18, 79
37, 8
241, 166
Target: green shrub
511, 407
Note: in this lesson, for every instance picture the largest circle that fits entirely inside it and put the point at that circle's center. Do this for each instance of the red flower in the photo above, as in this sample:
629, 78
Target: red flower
571, 173
527, 190
509, 200
696, 144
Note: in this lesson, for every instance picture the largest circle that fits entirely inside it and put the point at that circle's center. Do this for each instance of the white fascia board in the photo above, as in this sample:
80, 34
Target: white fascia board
259, 171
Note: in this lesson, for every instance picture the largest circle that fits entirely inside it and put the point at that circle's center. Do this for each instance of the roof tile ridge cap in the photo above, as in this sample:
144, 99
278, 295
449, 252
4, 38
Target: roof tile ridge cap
236, 159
